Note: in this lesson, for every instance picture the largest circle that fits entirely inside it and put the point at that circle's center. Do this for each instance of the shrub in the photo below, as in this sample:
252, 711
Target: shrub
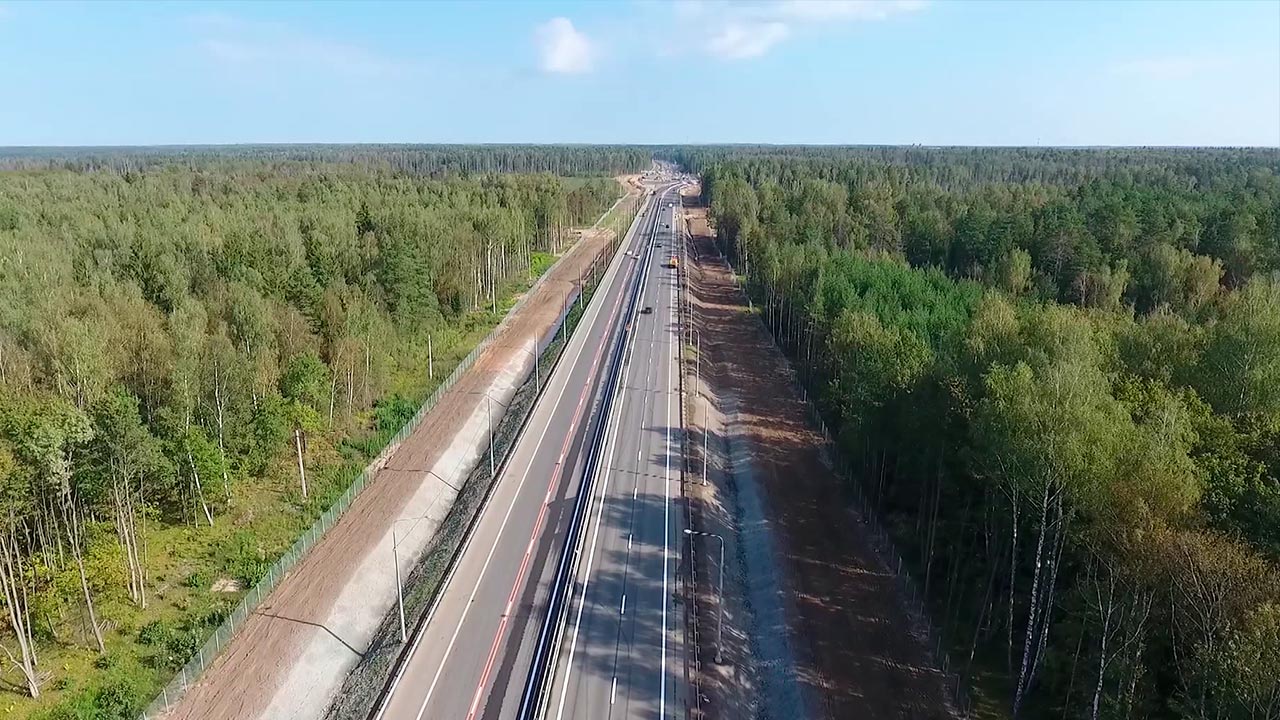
243, 559
391, 413
106, 661
156, 632
120, 696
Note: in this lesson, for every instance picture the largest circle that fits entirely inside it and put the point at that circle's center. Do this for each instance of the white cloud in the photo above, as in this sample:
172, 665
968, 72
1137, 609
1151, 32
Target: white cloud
742, 30
561, 48
738, 41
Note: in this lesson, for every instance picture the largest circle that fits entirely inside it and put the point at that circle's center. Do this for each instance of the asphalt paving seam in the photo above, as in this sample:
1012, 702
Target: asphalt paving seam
596, 530
546, 421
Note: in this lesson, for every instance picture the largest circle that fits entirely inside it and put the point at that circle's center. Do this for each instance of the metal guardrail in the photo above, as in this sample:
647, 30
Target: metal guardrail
172, 692
534, 699
607, 254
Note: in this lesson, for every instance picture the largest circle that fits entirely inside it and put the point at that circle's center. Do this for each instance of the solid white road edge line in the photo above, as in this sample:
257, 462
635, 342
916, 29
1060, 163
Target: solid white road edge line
595, 309
595, 533
666, 524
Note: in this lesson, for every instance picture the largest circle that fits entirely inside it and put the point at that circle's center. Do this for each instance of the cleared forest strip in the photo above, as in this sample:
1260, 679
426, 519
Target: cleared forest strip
857, 649
427, 578
320, 617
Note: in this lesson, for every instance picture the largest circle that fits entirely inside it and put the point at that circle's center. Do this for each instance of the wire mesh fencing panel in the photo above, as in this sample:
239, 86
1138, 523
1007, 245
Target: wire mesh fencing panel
171, 693
190, 672
365, 686
885, 546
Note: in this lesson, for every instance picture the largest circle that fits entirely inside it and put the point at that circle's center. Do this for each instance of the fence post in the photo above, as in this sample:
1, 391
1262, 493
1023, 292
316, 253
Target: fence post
327, 519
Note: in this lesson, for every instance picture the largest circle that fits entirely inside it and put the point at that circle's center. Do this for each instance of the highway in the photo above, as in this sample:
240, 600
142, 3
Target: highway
620, 654
473, 655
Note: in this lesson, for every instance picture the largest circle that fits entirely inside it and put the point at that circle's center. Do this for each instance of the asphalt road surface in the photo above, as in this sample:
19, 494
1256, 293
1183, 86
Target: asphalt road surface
621, 655
472, 656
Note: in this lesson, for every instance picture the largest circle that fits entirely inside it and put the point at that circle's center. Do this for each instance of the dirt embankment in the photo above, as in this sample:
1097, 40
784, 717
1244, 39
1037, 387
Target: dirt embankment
852, 640
630, 183
247, 676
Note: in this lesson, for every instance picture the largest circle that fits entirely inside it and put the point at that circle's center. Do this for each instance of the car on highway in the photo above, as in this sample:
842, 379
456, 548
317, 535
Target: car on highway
646, 310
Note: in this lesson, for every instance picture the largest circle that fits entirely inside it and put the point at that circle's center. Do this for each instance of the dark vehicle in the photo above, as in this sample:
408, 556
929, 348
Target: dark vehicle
646, 310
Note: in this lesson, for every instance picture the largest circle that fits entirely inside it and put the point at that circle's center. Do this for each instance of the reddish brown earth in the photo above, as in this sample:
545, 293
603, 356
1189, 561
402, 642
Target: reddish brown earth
631, 183
241, 683
853, 642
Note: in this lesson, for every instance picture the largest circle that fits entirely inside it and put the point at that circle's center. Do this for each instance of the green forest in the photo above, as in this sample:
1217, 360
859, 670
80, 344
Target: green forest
434, 161
200, 350
1058, 374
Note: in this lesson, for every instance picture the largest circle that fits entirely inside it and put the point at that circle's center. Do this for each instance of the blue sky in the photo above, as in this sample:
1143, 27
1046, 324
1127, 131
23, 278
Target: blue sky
827, 71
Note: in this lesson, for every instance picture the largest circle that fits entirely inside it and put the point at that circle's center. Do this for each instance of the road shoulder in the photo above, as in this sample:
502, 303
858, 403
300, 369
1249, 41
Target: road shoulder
291, 656
855, 652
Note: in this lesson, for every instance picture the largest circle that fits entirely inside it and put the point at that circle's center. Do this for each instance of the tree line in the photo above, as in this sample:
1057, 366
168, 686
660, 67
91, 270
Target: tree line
1146, 228
436, 161
189, 355
1089, 490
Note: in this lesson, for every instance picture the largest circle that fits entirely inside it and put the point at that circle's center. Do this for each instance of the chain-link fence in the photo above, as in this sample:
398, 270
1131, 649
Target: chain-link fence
882, 542
886, 549
370, 680
187, 676
171, 693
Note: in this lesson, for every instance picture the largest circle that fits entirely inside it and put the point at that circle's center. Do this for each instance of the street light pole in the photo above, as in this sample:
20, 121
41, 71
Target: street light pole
488, 414
706, 430
395, 558
720, 591
697, 359
534, 354
697, 390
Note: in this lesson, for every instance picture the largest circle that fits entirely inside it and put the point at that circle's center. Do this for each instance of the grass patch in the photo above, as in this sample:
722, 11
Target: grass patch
364, 683
539, 262
186, 562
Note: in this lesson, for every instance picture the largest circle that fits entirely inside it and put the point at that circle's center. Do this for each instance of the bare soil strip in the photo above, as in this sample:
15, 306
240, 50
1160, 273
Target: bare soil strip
855, 650
243, 681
